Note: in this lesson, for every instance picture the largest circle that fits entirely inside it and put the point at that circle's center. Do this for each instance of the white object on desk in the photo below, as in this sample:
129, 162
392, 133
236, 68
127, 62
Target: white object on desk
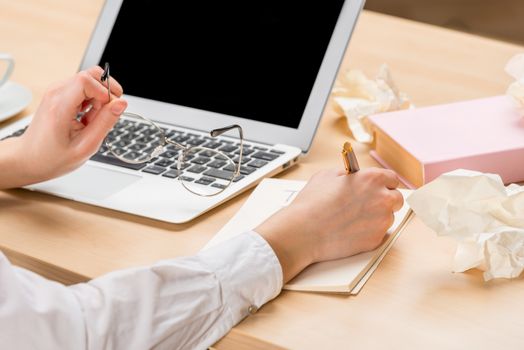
483, 215
13, 99
346, 275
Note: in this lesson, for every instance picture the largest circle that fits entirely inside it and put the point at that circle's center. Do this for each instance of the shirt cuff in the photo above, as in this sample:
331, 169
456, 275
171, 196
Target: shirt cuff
248, 270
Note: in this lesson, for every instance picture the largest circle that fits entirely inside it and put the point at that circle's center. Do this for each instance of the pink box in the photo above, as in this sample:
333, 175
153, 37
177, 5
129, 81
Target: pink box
486, 135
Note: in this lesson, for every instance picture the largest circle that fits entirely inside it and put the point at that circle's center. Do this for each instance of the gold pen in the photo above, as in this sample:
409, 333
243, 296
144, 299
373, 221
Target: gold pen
350, 159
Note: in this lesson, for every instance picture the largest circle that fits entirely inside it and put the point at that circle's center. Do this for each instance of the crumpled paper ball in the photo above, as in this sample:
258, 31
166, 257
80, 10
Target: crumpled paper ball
484, 216
359, 97
515, 68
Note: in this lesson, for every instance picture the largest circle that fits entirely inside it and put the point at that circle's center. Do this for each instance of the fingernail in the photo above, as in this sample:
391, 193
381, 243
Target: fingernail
118, 108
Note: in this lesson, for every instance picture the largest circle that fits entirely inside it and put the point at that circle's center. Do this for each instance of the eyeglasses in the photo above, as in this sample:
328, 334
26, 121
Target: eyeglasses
149, 141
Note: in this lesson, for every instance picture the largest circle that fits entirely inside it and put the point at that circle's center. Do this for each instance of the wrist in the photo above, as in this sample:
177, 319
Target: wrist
12, 159
292, 246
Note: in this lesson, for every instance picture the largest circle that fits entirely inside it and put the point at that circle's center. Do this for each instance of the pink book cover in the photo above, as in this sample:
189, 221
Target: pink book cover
485, 135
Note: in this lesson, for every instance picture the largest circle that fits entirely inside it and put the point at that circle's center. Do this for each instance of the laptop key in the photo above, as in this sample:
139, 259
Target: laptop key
230, 167
220, 157
238, 178
246, 170
186, 178
265, 156
245, 151
172, 174
207, 153
172, 148
135, 128
197, 169
200, 160
149, 150
133, 155
245, 160
217, 164
129, 136
169, 154
153, 169
114, 161
122, 123
183, 166
257, 163
119, 151
228, 149
195, 142
164, 162
115, 133
219, 174
137, 146
146, 139
180, 138
212, 144
110, 139
150, 132
217, 185
205, 180
121, 143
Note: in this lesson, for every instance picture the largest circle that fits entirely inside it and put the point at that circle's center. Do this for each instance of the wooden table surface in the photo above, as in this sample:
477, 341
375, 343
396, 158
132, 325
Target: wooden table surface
412, 300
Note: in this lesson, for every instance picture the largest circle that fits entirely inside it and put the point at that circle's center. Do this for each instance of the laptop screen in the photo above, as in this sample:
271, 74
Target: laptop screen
251, 59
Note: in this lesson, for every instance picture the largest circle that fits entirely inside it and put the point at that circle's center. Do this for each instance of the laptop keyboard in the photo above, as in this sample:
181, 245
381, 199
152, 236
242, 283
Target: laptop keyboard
134, 139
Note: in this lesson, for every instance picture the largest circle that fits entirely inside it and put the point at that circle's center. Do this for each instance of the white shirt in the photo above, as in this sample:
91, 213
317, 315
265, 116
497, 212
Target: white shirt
184, 303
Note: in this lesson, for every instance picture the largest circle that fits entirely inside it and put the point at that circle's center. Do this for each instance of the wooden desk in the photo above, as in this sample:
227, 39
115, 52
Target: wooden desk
412, 300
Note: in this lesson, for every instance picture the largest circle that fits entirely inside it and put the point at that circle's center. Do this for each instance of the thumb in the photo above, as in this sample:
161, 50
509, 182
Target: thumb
95, 132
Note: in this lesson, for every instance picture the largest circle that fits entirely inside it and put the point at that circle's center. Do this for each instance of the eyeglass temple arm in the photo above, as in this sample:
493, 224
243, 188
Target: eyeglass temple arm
218, 132
105, 76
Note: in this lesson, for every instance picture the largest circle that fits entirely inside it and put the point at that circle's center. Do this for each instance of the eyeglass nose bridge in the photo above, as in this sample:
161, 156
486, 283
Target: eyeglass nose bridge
157, 151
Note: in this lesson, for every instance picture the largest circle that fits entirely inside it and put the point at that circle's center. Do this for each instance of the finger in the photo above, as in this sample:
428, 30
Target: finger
391, 179
116, 88
339, 172
85, 87
94, 133
398, 199
82, 87
96, 106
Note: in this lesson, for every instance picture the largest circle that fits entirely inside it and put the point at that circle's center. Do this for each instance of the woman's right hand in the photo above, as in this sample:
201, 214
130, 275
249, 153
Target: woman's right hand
334, 216
55, 142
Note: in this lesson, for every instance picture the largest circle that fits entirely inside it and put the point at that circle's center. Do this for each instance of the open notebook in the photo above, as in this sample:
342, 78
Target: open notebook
346, 275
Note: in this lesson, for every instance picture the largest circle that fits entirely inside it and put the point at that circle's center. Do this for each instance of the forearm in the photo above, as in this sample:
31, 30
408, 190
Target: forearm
177, 304
290, 240
12, 167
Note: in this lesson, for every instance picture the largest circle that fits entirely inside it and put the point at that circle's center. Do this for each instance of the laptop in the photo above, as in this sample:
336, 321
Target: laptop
191, 67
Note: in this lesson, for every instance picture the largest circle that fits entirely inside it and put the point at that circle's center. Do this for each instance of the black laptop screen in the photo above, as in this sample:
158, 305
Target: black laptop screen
251, 59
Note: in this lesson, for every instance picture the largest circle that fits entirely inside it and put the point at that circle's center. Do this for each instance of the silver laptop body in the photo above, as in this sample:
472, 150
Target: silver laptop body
270, 70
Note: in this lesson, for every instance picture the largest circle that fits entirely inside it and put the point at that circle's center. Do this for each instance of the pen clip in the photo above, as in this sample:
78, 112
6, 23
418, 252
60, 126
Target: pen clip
346, 161
349, 158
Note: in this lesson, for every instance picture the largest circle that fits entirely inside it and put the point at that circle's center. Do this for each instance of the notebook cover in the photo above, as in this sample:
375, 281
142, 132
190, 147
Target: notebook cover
485, 135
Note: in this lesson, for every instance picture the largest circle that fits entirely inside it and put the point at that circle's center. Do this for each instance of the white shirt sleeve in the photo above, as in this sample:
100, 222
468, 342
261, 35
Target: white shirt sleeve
184, 303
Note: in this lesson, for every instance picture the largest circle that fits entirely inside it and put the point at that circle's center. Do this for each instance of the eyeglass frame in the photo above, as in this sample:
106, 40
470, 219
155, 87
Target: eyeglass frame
184, 149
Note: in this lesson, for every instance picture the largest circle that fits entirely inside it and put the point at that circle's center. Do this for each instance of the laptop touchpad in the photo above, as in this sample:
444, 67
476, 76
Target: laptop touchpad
88, 182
